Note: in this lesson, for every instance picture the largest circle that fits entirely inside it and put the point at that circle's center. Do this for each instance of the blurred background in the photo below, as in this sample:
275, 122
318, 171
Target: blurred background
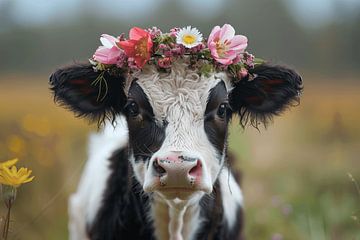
295, 173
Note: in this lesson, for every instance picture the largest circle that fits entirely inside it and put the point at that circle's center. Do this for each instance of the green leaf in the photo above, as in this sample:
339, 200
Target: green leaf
259, 61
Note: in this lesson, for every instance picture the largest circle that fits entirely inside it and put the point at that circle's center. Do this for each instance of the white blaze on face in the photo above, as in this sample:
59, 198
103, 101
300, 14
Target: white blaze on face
178, 100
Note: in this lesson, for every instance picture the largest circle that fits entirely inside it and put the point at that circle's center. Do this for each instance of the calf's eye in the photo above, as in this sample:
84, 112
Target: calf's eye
221, 112
132, 109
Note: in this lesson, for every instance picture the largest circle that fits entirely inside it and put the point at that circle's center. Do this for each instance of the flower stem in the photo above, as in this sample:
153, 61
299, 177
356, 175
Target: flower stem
8, 204
355, 183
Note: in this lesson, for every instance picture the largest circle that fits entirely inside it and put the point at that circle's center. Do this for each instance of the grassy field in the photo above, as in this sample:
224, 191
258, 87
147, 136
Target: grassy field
295, 173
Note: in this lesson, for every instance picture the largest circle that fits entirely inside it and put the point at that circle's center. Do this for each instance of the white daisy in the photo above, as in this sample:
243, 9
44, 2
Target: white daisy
189, 37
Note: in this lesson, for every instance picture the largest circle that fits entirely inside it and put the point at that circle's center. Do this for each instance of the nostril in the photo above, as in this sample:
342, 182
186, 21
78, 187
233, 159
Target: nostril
158, 169
196, 170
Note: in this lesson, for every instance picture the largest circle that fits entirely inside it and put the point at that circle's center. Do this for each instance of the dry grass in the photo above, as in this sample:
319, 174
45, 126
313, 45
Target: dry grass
295, 172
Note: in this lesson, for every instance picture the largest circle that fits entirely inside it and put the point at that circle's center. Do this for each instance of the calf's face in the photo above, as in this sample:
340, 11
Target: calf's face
177, 130
177, 121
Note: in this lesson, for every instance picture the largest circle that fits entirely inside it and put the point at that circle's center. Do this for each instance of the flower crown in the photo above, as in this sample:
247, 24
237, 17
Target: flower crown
222, 51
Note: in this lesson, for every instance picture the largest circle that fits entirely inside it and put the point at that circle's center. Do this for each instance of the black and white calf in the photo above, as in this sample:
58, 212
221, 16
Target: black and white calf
159, 168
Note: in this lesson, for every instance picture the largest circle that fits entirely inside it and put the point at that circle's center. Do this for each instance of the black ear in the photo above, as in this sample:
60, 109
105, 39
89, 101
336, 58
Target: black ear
96, 95
266, 92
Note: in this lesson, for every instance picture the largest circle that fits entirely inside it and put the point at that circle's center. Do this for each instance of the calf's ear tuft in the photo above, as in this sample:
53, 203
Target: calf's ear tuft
267, 92
95, 95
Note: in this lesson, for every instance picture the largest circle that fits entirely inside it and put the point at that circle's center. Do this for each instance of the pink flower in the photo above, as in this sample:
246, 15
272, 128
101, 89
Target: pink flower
197, 48
242, 73
249, 59
237, 59
168, 53
174, 31
163, 46
164, 62
138, 46
132, 65
122, 60
178, 50
224, 45
154, 32
164, 49
109, 53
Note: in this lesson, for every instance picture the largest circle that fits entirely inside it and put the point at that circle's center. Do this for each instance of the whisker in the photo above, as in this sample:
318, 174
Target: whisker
148, 149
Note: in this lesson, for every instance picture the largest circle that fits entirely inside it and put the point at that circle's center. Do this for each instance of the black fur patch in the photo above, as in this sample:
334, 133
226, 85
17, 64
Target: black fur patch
214, 226
215, 126
145, 135
74, 88
123, 214
273, 89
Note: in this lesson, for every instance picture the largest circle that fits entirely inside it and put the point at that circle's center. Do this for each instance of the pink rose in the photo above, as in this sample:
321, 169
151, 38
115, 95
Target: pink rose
109, 53
224, 45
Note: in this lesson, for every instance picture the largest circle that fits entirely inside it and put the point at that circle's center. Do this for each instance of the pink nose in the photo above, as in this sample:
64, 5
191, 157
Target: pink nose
178, 171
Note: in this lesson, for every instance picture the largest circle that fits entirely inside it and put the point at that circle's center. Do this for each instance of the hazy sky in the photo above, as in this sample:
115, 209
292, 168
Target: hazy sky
319, 12
34, 12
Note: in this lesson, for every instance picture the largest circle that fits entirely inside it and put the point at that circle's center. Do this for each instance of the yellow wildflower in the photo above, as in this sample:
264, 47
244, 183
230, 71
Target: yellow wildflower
9, 163
13, 177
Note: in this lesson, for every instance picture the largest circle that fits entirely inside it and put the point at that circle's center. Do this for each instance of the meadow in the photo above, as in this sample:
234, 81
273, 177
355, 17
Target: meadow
295, 174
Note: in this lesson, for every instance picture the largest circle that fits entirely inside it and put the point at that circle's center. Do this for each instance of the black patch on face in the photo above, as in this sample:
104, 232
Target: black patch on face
215, 226
217, 116
124, 210
145, 135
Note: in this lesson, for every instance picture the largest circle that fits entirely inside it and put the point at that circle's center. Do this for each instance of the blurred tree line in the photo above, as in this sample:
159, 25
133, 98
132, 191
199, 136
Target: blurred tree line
330, 50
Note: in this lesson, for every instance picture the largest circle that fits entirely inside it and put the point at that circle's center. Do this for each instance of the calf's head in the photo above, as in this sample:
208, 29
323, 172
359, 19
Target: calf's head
177, 121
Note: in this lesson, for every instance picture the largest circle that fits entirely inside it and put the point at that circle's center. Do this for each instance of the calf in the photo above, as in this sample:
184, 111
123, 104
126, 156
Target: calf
159, 167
